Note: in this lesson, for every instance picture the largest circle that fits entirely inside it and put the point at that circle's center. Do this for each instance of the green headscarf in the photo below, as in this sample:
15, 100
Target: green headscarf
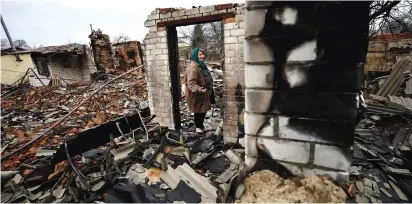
208, 76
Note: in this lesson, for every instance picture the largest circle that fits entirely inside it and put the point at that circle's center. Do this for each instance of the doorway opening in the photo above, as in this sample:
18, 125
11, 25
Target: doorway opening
209, 37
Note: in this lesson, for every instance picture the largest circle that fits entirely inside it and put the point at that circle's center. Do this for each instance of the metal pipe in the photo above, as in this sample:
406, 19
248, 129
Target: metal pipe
9, 37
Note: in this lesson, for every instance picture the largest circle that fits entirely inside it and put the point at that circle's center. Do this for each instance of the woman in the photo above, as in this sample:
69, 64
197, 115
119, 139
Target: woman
199, 88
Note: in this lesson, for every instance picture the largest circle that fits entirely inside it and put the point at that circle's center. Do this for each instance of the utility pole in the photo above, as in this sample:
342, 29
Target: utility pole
9, 38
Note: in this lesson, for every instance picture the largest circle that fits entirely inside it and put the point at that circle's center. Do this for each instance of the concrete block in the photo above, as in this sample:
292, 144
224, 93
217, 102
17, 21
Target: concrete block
320, 131
163, 40
297, 152
230, 53
149, 23
162, 57
153, 17
160, 45
155, 40
162, 33
241, 40
254, 21
165, 51
262, 125
177, 18
192, 11
263, 96
149, 47
206, 14
230, 26
198, 15
237, 32
205, 9
165, 15
242, 25
228, 140
333, 157
260, 76
255, 50
153, 29
151, 35
240, 18
227, 33
178, 13
230, 40
156, 52
251, 146
149, 57
214, 12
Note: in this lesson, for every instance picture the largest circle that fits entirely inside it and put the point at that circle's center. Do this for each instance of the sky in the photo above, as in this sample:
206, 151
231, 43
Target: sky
57, 22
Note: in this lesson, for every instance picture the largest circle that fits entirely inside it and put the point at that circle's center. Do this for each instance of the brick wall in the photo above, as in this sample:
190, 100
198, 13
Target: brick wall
127, 55
383, 54
102, 51
157, 62
303, 71
70, 74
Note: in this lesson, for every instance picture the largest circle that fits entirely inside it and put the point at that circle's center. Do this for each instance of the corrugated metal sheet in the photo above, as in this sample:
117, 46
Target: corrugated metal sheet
407, 102
392, 83
388, 107
408, 89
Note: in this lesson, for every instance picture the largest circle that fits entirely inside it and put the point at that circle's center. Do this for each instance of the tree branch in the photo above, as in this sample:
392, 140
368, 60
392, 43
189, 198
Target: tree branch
401, 23
384, 9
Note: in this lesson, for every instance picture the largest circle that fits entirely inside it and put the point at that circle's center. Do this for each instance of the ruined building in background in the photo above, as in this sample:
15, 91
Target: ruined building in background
127, 55
102, 51
69, 63
112, 57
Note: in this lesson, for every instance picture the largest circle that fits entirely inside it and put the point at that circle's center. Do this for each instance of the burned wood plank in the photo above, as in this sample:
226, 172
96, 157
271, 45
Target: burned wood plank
97, 136
196, 20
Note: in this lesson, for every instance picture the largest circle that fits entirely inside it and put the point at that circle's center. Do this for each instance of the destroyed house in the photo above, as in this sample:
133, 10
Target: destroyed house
127, 55
14, 64
69, 63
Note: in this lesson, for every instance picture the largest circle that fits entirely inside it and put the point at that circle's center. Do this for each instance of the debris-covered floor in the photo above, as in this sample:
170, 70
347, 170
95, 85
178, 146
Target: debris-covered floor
107, 149
382, 157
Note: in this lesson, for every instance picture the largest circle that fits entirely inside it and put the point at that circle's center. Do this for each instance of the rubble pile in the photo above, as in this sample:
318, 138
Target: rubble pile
382, 157
267, 187
396, 81
165, 166
29, 112
107, 150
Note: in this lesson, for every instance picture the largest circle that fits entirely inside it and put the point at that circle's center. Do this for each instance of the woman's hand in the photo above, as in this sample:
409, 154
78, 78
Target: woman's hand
202, 90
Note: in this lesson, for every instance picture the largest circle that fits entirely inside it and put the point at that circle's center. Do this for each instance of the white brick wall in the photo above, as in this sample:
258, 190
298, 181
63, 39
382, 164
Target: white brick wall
304, 141
157, 60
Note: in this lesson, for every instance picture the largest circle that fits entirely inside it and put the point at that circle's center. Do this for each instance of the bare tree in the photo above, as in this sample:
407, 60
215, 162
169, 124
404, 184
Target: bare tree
213, 32
22, 44
4, 43
390, 17
18, 43
120, 38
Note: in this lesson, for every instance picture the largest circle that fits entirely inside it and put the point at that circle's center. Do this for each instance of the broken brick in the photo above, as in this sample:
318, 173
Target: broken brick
224, 6
166, 10
229, 20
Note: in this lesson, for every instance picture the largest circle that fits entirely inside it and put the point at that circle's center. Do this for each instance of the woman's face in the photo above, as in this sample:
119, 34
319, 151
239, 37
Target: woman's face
201, 55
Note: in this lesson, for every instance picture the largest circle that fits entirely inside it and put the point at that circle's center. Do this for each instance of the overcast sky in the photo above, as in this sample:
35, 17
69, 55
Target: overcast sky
56, 22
